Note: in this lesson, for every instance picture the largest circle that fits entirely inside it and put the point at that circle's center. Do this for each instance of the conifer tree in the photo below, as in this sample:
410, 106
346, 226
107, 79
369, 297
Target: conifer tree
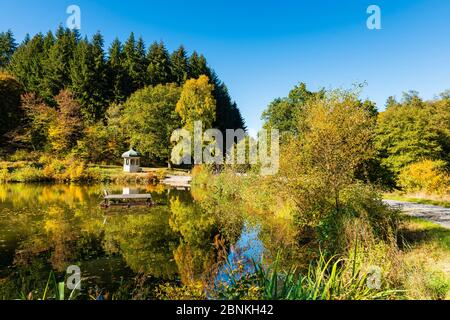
101, 74
132, 64
26, 39
198, 66
141, 64
26, 64
7, 47
89, 78
57, 64
180, 65
159, 68
117, 73
49, 41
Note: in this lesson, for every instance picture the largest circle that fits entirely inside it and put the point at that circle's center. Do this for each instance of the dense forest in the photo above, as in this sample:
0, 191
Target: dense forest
64, 94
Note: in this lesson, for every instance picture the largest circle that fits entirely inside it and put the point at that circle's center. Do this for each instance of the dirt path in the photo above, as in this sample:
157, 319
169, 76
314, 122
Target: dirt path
433, 213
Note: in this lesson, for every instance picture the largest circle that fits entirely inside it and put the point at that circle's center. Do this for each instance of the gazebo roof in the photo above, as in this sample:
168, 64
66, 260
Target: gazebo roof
130, 153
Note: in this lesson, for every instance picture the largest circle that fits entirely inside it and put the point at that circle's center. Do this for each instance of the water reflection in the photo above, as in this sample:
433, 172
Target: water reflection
46, 228
248, 250
49, 227
145, 242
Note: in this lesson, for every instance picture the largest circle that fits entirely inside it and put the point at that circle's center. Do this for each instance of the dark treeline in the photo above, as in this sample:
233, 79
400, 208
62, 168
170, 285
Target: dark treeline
47, 64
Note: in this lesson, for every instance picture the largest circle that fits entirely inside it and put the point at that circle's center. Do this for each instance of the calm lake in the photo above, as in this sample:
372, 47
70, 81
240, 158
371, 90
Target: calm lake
125, 252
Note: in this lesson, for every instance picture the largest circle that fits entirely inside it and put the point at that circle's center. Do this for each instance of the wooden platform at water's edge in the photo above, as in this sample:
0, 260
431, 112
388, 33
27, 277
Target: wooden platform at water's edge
127, 199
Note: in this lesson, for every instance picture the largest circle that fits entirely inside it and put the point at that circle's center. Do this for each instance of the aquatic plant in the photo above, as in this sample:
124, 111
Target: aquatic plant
327, 279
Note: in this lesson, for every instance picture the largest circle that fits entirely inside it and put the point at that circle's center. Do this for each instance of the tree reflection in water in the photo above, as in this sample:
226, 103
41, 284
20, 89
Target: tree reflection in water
128, 252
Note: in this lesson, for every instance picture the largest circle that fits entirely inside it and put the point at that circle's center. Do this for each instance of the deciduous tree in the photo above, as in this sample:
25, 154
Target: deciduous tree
197, 103
150, 118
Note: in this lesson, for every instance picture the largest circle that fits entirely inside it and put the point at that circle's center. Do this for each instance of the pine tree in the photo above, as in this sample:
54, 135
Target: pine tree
238, 119
82, 73
159, 68
7, 47
57, 64
26, 39
89, 78
131, 64
100, 81
26, 64
180, 65
141, 64
117, 73
198, 66
49, 41
228, 115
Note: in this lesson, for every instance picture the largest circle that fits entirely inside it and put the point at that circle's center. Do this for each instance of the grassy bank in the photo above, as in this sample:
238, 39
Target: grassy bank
425, 248
75, 171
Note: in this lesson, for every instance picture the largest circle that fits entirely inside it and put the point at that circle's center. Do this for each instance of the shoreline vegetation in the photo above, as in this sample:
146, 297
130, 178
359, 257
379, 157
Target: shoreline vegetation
33, 167
58, 171
29, 172
410, 254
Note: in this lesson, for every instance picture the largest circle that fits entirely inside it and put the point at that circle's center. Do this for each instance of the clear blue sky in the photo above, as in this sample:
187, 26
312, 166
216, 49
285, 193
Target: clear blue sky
261, 49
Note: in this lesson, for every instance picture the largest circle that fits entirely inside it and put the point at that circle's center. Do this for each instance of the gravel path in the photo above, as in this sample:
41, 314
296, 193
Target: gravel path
433, 213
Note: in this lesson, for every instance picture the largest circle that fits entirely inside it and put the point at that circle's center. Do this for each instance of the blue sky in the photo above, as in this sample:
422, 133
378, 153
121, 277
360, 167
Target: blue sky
261, 49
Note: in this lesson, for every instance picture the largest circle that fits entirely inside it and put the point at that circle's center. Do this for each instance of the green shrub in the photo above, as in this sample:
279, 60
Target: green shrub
28, 174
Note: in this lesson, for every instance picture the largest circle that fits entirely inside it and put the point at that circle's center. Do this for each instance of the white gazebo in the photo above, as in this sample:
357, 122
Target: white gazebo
131, 161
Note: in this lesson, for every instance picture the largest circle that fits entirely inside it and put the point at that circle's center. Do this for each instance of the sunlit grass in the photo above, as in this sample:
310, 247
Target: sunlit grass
426, 248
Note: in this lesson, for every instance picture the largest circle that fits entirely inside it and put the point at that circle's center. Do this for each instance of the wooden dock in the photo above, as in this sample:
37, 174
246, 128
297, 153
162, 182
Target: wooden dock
127, 200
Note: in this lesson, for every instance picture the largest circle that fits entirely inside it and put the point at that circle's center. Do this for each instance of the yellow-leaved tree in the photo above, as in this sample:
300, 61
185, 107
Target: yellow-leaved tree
335, 138
66, 128
197, 103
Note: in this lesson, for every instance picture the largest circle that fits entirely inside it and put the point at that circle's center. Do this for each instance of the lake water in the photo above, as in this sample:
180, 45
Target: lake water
124, 252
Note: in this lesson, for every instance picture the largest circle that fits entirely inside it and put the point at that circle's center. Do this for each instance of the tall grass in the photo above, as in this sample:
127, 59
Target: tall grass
333, 279
326, 279
53, 290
